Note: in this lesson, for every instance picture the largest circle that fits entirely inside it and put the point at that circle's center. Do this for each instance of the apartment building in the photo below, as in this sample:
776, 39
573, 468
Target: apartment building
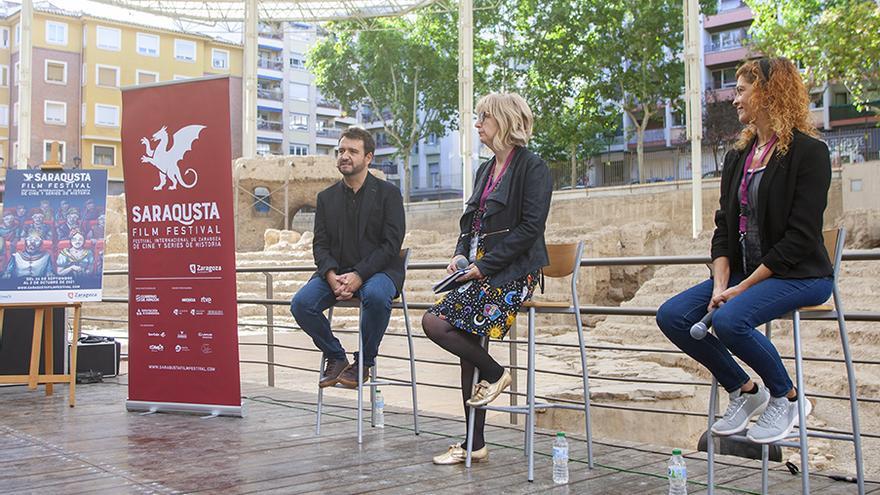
850, 133
80, 62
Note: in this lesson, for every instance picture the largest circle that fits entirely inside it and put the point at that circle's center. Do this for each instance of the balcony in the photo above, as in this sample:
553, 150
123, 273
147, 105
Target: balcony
329, 133
847, 112
273, 31
269, 125
727, 44
740, 15
388, 168
270, 94
651, 136
728, 57
270, 64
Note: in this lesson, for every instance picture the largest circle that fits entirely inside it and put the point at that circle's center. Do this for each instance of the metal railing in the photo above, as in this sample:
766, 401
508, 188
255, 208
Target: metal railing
270, 94
269, 302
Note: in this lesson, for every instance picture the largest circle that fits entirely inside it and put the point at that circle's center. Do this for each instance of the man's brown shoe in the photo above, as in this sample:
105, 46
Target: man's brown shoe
332, 369
349, 377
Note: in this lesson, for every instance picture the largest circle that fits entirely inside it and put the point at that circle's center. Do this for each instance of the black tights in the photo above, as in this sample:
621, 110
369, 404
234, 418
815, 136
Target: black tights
471, 354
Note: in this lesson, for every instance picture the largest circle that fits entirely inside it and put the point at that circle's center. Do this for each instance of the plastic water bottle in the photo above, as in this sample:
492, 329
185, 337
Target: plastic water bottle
560, 459
380, 409
677, 474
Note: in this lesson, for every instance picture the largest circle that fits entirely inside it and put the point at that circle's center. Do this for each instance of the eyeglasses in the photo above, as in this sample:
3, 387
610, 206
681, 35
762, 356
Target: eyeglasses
483, 116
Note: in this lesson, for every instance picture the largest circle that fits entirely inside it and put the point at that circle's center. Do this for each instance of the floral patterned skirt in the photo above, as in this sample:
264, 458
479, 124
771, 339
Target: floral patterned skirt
480, 309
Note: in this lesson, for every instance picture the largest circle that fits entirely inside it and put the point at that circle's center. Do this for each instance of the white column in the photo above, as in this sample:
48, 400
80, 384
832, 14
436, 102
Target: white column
249, 91
25, 79
466, 93
694, 108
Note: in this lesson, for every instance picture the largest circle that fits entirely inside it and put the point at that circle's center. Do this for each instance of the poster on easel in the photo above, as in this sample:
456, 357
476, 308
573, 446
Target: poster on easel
52, 236
183, 320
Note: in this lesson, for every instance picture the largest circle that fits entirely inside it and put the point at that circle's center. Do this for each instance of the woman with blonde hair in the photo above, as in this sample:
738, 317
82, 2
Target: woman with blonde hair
502, 244
768, 255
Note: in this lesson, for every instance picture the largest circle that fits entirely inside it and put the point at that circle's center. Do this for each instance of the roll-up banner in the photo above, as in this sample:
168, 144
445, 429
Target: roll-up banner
177, 159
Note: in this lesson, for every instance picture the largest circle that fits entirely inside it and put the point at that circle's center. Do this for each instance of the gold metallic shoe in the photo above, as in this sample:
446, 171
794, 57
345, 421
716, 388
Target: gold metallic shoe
487, 392
456, 455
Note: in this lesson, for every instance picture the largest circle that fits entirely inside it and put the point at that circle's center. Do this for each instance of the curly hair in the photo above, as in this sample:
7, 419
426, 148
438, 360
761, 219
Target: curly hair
778, 91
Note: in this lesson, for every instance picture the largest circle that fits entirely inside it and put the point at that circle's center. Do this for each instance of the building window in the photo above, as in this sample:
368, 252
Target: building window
17, 34
56, 33
263, 148
840, 99
434, 175
56, 72
298, 91
106, 115
47, 150
4, 115
299, 149
431, 140
4, 37
148, 44
219, 59
55, 112
103, 155
724, 78
185, 50
262, 200
107, 76
298, 122
297, 61
146, 77
727, 40
4, 75
414, 180
109, 38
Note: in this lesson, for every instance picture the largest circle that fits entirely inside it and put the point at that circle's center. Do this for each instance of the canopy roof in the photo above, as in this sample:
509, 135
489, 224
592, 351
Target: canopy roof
271, 10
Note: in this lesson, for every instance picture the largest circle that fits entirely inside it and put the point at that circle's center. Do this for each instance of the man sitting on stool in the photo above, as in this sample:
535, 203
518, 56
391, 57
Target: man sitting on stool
359, 228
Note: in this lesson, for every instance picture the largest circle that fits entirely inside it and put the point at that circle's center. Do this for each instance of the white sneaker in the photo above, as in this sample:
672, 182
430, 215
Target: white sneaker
740, 410
777, 421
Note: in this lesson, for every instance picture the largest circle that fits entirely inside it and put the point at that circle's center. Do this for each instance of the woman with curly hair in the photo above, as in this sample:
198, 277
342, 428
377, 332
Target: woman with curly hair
768, 256
502, 244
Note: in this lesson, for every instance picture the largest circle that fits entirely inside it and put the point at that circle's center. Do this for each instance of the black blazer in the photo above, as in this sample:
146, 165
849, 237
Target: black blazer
381, 225
514, 221
792, 197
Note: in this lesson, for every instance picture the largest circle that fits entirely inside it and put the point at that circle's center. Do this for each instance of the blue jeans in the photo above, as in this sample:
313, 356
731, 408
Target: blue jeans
734, 325
376, 294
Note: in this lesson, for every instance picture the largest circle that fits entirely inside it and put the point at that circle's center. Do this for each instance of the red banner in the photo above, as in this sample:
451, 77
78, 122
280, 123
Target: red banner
177, 158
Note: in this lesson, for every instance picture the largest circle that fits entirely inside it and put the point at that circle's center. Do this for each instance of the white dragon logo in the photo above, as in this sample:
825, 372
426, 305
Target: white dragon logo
165, 158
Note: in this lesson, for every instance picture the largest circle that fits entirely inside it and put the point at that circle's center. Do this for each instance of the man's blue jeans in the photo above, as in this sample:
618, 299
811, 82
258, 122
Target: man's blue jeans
734, 325
310, 302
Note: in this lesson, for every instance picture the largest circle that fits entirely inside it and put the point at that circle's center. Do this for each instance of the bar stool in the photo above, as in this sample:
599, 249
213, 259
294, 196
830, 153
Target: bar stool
834, 240
373, 383
565, 260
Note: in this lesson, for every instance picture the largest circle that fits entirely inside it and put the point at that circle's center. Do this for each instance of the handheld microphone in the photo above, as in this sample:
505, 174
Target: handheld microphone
701, 328
461, 263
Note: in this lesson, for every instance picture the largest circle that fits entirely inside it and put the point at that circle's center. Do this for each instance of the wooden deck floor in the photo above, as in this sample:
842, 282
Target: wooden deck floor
98, 447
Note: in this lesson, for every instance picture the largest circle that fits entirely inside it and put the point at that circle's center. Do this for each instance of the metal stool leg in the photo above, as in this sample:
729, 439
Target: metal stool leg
320, 397
373, 373
586, 383
360, 384
321, 390
802, 412
710, 440
531, 391
472, 411
765, 468
853, 393
412, 363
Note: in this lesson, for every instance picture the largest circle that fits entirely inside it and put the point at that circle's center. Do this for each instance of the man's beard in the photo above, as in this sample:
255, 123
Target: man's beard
354, 170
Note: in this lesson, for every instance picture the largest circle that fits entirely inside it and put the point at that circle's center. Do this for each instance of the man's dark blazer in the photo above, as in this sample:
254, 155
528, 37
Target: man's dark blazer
792, 197
381, 225
514, 221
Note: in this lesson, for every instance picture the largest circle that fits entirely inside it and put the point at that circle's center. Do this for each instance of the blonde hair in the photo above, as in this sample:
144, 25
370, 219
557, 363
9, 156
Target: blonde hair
513, 115
779, 92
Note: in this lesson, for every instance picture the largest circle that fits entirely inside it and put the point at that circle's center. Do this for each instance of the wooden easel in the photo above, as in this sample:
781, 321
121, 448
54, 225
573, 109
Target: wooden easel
43, 328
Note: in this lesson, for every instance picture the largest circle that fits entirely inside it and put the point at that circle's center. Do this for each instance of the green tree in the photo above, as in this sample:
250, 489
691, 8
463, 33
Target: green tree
835, 40
403, 69
625, 53
720, 124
